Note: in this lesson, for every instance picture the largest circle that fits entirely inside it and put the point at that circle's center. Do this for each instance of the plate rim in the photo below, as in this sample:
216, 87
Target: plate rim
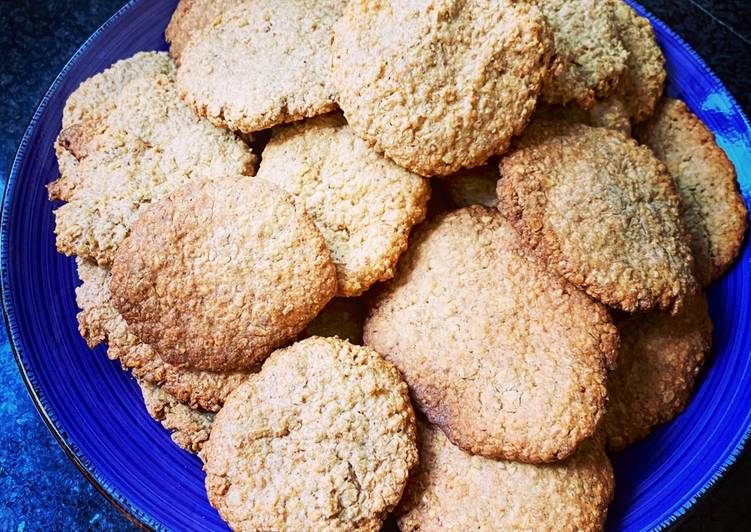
120, 501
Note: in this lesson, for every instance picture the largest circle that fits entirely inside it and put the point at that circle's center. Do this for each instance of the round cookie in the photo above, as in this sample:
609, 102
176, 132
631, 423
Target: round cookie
261, 63
643, 81
363, 204
439, 85
713, 209
475, 186
659, 359
342, 317
218, 274
94, 98
188, 428
589, 56
453, 490
323, 438
147, 145
509, 360
602, 212
99, 322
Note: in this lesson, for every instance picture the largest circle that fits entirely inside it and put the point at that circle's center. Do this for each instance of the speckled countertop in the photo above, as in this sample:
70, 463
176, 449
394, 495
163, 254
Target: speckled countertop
40, 489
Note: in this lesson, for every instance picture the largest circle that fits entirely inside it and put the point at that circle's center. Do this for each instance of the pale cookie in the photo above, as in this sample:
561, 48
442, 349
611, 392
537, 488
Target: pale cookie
602, 212
99, 322
589, 56
342, 317
190, 18
261, 63
218, 274
363, 204
94, 98
659, 359
453, 490
713, 209
475, 186
323, 438
188, 428
643, 81
147, 146
439, 85
508, 359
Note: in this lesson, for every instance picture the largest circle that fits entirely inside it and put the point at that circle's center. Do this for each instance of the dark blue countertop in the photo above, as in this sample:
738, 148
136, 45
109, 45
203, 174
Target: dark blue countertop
40, 489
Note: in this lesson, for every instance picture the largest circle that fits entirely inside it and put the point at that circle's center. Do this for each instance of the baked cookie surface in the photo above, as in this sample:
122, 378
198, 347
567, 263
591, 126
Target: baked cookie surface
713, 209
643, 81
453, 490
589, 57
218, 274
99, 322
189, 20
147, 144
658, 362
602, 212
323, 438
188, 428
439, 85
363, 204
509, 360
261, 63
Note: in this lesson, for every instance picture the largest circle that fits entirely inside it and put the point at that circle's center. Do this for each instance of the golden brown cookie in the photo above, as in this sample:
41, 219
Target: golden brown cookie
713, 209
323, 438
363, 204
601, 211
475, 186
589, 56
453, 490
99, 322
509, 360
659, 360
439, 85
643, 81
261, 63
188, 428
342, 317
218, 274
147, 145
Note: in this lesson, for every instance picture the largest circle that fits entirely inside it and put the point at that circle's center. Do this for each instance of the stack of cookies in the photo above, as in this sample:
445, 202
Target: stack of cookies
252, 221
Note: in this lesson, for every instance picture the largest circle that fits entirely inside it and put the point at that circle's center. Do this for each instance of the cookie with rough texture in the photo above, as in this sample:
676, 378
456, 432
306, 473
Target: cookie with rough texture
218, 274
190, 18
475, 186
589, 55
643, 81
261, 63
188, 428
148, 145
602, 212
363, 204
659, 359
99, 322
453, 490
323, 438
439, 85
713, 209
508, 359
342, 317
94, 98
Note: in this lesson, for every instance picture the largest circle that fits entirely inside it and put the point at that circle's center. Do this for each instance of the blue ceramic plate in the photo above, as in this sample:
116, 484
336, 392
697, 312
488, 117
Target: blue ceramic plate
95, 410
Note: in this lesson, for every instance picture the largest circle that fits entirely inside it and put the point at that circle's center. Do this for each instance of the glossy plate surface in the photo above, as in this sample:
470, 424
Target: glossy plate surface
95, 409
